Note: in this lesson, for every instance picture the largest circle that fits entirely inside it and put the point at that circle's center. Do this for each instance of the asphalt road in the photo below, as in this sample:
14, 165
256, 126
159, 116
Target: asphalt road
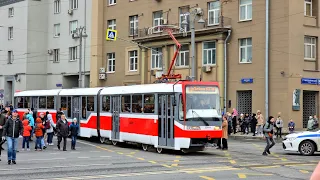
92, 160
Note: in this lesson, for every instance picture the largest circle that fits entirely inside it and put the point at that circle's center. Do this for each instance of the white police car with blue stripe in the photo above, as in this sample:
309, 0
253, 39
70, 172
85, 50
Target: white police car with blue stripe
306, 142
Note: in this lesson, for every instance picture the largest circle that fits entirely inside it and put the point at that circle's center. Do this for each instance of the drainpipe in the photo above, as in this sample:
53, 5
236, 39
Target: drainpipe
267, 62
225, 71
85, 44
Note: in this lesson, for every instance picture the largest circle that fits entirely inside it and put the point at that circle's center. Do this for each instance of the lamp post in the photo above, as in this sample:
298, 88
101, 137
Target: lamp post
80, 34
195, 13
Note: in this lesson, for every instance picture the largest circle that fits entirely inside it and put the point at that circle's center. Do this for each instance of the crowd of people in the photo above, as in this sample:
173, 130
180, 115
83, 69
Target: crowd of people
31, 125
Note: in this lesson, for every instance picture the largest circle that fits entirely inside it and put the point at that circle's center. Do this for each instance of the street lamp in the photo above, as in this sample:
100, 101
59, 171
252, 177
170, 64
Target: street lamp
195, 13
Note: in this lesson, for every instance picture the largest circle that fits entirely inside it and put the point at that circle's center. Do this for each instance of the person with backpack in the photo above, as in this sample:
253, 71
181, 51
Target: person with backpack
31, 123
268, 133
49, 126
39, 134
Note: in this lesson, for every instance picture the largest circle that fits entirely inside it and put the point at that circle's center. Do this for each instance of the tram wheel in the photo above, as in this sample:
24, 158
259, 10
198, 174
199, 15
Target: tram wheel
114, 143
185, 151
102, 140
145, 147
159, 150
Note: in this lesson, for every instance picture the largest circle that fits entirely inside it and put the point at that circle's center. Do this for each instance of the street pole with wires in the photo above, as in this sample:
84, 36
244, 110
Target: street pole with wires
80, 34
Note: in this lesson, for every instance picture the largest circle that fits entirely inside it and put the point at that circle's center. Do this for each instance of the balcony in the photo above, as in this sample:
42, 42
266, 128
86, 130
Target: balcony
147, 34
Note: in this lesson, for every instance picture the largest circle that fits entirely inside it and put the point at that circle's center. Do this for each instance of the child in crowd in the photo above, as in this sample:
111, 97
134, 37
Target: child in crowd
39, 134
74, 128
291, 126
26, 134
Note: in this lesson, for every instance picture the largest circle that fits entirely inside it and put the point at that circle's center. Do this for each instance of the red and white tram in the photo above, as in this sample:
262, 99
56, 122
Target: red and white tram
181, 116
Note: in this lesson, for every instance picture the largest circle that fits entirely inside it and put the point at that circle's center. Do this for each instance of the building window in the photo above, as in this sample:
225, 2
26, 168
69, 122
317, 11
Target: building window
11, 12
308, 7
183, 58
57, 6
156, 58
73, 4
112, 2
245, 50
209, 53
157, 20
73, 25
56, 57
133, 60
133, 20
213, 13
184, 15
310, 48
10, 57
56, 30
10, 33
245, 10
73, 53
111, 62
112, 24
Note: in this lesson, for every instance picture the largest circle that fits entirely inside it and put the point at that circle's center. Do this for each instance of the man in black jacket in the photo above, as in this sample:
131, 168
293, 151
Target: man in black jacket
11, 131
2, 122
63, 132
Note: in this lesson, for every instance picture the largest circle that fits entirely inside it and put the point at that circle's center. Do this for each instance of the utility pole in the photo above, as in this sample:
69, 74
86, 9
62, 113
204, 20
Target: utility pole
197, 12
80, 34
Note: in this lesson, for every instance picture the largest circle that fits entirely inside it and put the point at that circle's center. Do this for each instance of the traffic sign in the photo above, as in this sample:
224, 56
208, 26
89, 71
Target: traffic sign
111, 35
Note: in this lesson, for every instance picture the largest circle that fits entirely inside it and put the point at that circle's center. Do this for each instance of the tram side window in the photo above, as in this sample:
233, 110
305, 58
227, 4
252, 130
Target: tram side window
126, 103
137, 103
26, 103
180, 107
50, 102
20, 102
90, 103
42, 102
84, 108
106, 103
148, 103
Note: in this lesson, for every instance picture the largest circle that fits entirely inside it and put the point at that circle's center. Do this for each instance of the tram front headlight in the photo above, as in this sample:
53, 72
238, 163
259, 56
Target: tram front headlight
216, 128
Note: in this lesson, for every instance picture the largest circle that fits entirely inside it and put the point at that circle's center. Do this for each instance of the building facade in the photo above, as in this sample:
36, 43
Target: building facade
293, 74
39, 45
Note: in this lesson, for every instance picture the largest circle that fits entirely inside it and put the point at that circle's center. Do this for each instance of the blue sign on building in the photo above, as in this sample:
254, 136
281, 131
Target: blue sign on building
247, 80
319, 82
58, 85
312, 81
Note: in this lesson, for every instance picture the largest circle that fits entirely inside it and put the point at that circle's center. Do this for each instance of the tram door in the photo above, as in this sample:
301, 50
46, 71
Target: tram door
116, 109
166, 120
76, 107
34, 103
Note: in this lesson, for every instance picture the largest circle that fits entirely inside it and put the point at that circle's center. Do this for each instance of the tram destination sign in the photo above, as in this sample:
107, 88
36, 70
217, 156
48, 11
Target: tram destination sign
202, 89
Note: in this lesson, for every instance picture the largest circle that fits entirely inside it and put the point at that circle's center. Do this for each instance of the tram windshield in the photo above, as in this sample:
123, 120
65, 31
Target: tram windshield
202, 103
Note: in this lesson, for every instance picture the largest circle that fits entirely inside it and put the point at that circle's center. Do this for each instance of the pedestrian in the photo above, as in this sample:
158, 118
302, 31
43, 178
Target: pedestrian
224, 137
246, 123
253, 124
241, 120
2, 123
74, 129
229, 123
279, 125
316, 122
310, 123
291, 126
268, 133
49, 126
260, 120
39, 134
31, 123
43, 119
11, 131
26, 134
63, 131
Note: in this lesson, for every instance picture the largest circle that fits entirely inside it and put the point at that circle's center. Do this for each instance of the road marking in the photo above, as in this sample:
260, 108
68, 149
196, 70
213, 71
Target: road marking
257, 167
174, 165
129, 155
284, 159
304, 171
291, 162
293, 165
166, 166
232, 161
153, 162
142, 159
119, 152
207, 178
178, 156
32, 168
244, 175
132, 152
176, 160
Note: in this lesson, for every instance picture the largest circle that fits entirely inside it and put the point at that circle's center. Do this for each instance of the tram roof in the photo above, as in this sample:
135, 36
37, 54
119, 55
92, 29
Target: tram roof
145, 88
80, 91
52, 92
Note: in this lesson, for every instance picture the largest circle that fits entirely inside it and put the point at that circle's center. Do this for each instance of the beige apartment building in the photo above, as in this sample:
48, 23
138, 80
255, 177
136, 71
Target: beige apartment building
293, 74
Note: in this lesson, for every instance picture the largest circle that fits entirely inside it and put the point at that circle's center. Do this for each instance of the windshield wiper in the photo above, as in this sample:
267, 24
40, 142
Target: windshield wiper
199, 117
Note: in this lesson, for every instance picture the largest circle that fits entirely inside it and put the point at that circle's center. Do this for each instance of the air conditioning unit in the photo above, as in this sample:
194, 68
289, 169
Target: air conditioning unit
102, 70
70, 11
50, 51
206, 69
159, 74
102, 76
